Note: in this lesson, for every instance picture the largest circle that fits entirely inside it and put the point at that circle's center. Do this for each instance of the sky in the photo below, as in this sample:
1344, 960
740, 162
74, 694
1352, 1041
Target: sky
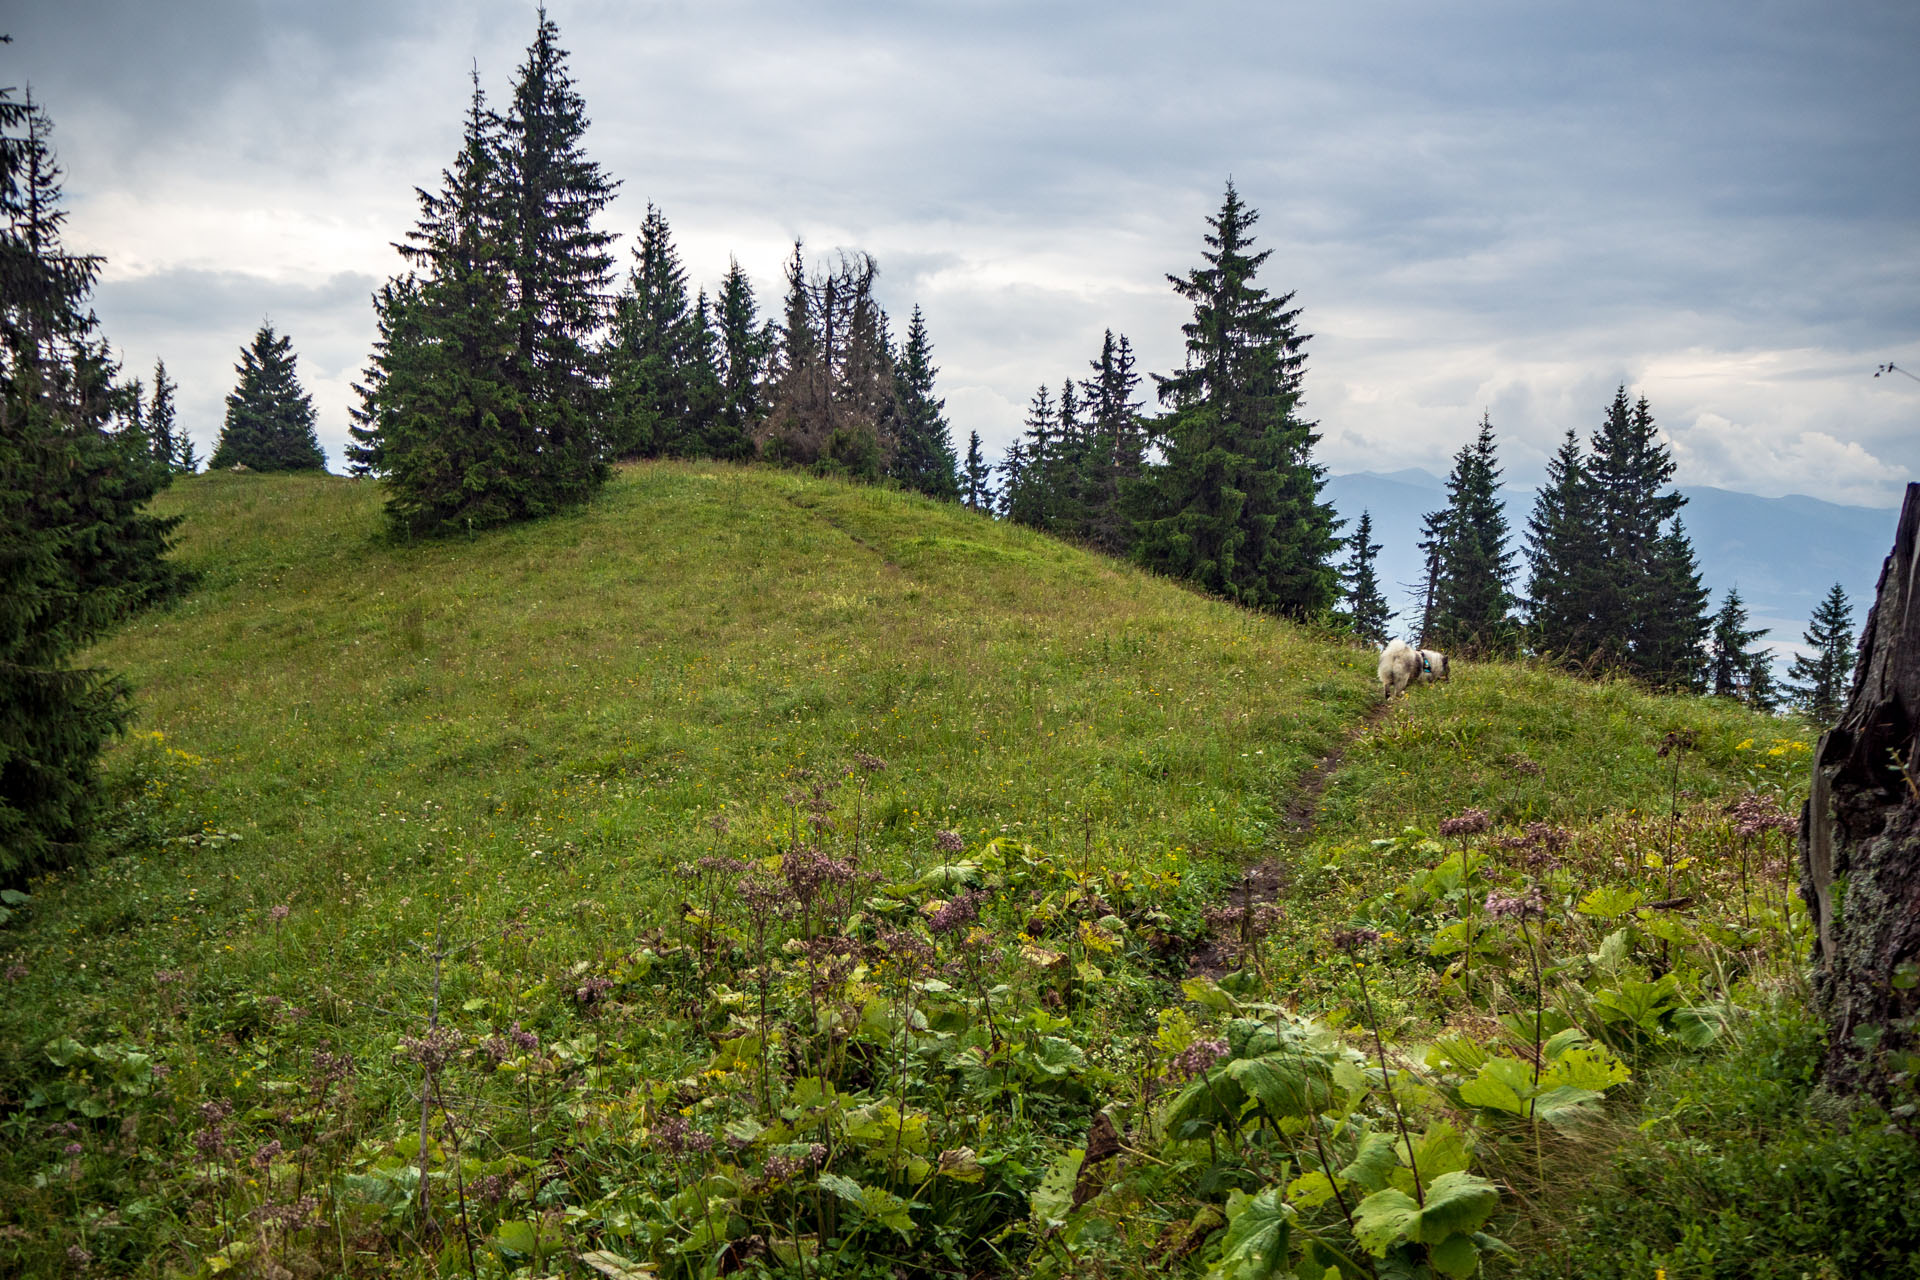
1501, 208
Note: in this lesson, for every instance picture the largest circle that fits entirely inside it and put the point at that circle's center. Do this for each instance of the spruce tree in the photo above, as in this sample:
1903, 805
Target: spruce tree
1670, 645
77, 550
162, 420
1025, 490
1731, 656
1562, 559
1013, 475
1116, 451
744, 345
1472, 596
1630, 469
978, 477
1235, 506
833, 401
1820, 678
924, 460
1367, 611
269, 423
560, 268
651, 360
445, 413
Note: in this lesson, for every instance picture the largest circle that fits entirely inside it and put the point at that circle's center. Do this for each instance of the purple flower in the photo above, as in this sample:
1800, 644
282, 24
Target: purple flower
267, 1153
1355, 938
1472, 822
1198, 1057
960, 911
948, 841
1529, 905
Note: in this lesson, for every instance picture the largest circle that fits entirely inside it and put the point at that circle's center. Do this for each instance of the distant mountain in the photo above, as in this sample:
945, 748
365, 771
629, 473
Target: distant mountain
1783, 553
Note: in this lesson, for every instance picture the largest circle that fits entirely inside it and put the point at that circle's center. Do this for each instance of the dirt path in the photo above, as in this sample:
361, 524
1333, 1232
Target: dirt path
1235, 920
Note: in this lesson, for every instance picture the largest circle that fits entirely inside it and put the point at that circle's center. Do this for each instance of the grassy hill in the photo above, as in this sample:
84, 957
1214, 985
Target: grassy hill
759, 873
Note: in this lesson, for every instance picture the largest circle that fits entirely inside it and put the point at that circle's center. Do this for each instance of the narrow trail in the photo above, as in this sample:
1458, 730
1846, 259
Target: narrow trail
1263, 883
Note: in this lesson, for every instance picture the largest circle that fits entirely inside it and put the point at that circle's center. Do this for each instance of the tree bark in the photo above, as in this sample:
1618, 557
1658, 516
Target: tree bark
1860, 837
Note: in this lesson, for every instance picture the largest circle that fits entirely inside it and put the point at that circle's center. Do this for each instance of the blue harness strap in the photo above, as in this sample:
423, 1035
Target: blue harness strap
1426, 664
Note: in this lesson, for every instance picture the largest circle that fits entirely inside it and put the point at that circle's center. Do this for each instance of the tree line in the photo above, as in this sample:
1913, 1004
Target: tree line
1611, 580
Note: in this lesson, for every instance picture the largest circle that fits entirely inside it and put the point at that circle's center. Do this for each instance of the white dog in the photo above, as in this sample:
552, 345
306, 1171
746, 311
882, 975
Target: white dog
1401, 665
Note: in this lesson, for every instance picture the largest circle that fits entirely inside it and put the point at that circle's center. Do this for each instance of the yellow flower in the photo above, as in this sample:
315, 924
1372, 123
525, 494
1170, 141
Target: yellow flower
1739, 746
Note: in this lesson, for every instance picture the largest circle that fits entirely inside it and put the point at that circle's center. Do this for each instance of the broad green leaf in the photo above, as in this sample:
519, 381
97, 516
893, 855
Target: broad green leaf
516, 1236
1560, 1042
1609, 901
1384, 1219
1456, 1203
878, 1205
1456, 1257
1258, 1229
1310, 1190
1587, 1067
1440, 1150
1206, 993
1566, 1106
1697, 1026
1372, 1162
1640, 1003
1456, 1052
1285, 1084
1450, 941
1052, 1200
1502, 1085
14, 898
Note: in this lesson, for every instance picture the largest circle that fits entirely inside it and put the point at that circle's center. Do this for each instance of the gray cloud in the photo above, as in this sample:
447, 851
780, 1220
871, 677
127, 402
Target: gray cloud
1511, 207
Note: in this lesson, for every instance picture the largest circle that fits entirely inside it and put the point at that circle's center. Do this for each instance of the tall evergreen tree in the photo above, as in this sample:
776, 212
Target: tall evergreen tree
978, 477
1235, 506
1669, 647
445, 413
1562, 559
1473, 599
1431, 545
1367, 612
1821, 677
744, 345
924, 460
185, 460
77, 549
560, 268
1630, 469
1116, 452
651, 356
163, 420
269, 424
1729, 655
1025, 490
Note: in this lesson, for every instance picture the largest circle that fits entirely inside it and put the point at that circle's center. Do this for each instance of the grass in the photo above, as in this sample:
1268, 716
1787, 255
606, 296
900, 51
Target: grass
371, 781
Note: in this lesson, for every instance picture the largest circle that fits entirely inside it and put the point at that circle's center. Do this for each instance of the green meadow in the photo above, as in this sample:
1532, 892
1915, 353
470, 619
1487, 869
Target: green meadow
755, 874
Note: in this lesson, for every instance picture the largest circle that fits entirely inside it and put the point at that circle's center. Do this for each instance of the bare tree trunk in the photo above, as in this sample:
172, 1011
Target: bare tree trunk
1860, 837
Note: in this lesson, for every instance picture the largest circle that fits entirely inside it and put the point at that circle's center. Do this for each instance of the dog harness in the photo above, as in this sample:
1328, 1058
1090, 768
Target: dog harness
1426, 664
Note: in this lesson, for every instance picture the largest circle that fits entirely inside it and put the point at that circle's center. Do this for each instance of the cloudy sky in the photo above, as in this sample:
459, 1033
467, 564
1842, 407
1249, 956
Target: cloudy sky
1499, 207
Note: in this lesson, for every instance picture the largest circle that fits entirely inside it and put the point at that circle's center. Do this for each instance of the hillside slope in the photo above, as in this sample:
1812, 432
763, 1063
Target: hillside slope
528, 820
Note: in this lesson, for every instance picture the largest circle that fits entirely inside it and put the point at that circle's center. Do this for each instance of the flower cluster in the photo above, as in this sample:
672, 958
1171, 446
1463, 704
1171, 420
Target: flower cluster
676, 1137
1197, 1057
1529, 905
1470, 823
958, 913
948, 841
433, 1050
1755, 814
780, 1168
1355, 938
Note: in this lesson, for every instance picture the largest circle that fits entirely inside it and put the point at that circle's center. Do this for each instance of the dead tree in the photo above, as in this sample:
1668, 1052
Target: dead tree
1860, 838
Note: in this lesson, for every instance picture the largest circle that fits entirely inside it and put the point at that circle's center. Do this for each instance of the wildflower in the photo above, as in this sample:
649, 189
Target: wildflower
79, 1257
280, 912
15, 972
948, 841
433, 1050
1197, 1058
872, 764
268, 1152
1678, 740
1353, 939
1472, 822
959, 912
72, 1149
1524, 906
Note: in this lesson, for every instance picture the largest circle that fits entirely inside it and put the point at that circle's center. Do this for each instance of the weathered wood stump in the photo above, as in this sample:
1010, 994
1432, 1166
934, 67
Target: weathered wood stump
1860, 837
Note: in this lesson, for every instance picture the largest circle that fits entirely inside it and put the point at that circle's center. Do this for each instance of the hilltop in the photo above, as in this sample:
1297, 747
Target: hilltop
755, 871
